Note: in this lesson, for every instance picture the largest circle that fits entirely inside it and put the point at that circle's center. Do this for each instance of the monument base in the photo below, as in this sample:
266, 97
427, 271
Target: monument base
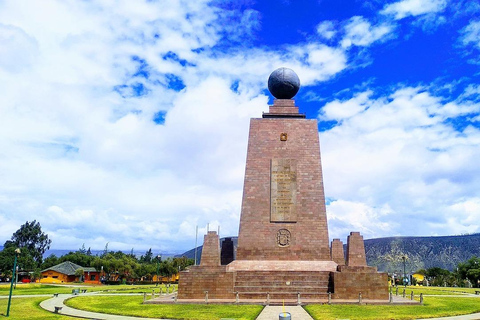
199, 282
351, 282
252, 280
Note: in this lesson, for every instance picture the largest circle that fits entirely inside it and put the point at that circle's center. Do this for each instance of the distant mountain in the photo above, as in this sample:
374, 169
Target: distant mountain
420, 252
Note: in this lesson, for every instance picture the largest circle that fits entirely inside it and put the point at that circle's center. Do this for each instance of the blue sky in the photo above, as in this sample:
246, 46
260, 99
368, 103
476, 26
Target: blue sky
127, 122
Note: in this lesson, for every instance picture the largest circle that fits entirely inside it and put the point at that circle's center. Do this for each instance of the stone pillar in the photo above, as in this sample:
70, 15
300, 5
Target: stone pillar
356, 250
211, 250
336, 252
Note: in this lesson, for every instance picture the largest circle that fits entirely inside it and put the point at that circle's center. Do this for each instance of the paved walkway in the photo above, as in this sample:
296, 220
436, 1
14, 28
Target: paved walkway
273, 312
50, 305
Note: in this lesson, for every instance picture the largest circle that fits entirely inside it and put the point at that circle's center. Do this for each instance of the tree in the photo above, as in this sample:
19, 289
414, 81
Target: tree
82, 249
147, 257
50, 261
79, 273
24, 260
439, 277
470, 270
31, 239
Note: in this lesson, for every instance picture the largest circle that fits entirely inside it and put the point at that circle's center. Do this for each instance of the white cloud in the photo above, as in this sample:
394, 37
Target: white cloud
406, 8
471, 34
359, 32
79, 150
401, 152
326, 29
339, 110
346, 216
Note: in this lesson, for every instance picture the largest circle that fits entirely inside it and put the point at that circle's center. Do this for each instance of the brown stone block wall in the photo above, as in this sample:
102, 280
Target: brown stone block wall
194, 282
356, 250
337, 253
309, 234
347, 285
211, 249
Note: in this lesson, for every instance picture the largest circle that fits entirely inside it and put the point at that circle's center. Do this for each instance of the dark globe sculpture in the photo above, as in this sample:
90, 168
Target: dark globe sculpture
283, 83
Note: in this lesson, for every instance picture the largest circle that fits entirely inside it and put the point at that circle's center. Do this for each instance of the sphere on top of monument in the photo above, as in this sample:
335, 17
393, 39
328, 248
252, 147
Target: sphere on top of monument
283, 83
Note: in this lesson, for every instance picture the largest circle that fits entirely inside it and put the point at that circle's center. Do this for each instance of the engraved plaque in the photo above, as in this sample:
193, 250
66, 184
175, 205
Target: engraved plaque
283, 190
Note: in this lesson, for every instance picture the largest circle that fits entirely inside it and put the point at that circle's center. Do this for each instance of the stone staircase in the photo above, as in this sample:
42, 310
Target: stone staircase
282, 285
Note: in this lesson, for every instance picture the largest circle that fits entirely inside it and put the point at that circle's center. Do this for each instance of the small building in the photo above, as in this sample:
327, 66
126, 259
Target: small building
419, 278
65, 272
164, 279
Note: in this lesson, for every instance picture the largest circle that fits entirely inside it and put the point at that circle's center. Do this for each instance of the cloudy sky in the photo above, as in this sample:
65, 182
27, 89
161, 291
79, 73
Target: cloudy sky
127, 121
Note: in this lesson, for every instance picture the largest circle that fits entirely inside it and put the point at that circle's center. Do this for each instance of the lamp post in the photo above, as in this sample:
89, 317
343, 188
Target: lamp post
17, 252
404, 273
158, 265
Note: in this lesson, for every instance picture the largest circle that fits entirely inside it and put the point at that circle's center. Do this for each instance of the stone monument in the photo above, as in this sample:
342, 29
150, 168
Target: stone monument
283, 245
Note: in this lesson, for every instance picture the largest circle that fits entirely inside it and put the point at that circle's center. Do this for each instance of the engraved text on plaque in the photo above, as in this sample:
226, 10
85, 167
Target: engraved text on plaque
283, 190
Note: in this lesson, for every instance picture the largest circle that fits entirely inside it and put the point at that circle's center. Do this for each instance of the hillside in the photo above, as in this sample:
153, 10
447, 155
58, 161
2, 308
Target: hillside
421, 252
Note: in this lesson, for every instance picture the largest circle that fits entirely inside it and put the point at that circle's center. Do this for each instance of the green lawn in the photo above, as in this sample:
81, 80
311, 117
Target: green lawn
132, 306
36, 288
433, 307
28, 308
436, 290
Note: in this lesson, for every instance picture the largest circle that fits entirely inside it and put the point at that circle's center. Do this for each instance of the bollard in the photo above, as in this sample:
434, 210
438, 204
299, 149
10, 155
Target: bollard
403, 293
390, 297
175, 297
285, 316
421, 298
206, 296
298, 298
329, 298
144, 296
153, 294
360, 298
236, 297
396, 291
268, 298
411, 296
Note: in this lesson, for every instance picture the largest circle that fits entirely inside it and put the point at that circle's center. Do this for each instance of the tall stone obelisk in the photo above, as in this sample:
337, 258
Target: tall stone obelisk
283, 213
283, 247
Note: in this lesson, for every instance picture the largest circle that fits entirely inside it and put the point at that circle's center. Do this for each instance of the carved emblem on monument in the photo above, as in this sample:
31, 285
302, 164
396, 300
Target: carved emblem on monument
283, 136
283, 237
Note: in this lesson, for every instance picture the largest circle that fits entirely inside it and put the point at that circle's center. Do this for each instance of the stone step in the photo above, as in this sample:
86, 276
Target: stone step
280, 289
285, 276
281, 295
282, 283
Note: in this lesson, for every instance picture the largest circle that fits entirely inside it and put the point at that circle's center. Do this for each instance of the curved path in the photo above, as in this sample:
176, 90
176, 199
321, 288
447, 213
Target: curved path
58, 301
269, 312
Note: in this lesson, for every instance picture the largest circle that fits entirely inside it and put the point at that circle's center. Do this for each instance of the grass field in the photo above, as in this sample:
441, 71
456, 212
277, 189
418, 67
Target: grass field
28, 308
436, 304
132, 306
436, 290
433, 307
36, 288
